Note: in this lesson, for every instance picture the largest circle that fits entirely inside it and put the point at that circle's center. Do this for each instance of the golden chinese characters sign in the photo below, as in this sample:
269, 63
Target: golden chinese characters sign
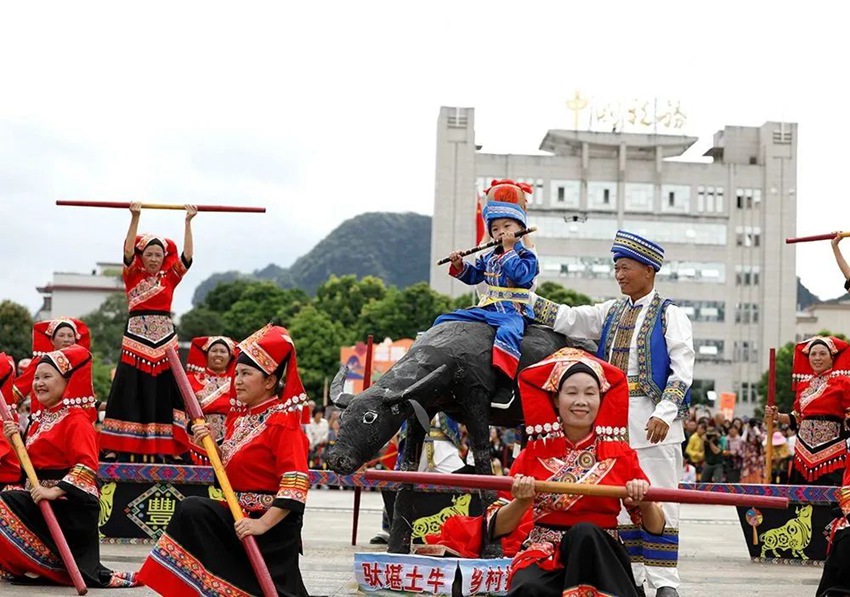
655, 115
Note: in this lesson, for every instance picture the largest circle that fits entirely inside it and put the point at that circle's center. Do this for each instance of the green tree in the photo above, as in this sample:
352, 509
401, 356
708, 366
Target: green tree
107, 324
464, 301
101, 377
224, 294
317, 341
344, 298
564, 296
15, 330
200, 321
402, 313
784, 367
259, 303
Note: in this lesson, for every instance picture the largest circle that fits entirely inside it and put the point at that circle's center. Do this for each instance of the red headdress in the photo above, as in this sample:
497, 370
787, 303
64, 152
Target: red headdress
199, 348
272, 350
509, 191
168, 246
538, 386
802, 371
43, 332
74, 364
7, 378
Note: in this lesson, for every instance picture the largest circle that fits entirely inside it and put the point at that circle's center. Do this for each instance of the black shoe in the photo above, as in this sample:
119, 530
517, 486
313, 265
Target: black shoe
382, 538
640, 591
666, 592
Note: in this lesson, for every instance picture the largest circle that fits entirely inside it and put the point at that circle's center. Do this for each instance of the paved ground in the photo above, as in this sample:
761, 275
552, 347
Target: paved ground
713, 558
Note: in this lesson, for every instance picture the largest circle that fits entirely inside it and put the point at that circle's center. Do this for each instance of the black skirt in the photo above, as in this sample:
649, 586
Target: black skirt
27, 548
199, 553
836, 570
144, 414
592, 559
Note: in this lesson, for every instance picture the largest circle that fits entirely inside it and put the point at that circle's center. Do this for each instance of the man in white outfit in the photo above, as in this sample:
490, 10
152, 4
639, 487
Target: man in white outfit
650, 339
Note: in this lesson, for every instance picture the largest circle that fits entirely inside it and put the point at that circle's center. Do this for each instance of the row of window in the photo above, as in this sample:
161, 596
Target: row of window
698, 233
743, 351
639, 197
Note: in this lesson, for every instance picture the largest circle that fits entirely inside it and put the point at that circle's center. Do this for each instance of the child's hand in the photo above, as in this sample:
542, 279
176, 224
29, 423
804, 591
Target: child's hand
456, 259
508, 241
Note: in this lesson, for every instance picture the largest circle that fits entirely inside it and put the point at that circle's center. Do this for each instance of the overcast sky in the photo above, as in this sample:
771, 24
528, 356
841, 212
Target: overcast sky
323, 110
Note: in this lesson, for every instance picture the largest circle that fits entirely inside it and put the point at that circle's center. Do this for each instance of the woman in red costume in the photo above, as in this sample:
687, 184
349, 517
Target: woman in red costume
10, 469
144, 413
47, 336
821, 411
576, 416
212, 360
62, 446
265, 456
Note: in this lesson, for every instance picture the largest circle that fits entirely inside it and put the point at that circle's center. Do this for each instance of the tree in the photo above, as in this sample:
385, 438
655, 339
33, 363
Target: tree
403, 313
107, 324
784, 366
15, 330
343, 298
200, 321
563, 296
258, 304
464, 301
101, 377
317, 341
224, 294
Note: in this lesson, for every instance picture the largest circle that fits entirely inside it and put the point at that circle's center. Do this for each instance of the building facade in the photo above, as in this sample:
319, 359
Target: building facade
76, 294
722, 224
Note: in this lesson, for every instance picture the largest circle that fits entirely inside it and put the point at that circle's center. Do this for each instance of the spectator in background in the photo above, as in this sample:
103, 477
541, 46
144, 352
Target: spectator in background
22, 365
689, 473
752, 470
695, 451
733, 454
317, 432
712, 470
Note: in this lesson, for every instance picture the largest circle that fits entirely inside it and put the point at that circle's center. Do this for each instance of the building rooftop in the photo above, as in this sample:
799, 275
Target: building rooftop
569, 142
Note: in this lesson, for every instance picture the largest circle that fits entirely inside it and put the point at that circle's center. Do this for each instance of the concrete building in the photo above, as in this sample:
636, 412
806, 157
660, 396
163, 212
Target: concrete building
722, 222
834, 317
76, 294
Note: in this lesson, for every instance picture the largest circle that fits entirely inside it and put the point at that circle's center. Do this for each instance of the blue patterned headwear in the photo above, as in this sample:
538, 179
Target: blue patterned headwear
494, 210
627, 244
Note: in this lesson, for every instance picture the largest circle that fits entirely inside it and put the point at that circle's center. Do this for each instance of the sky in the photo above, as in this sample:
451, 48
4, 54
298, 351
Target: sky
320, 111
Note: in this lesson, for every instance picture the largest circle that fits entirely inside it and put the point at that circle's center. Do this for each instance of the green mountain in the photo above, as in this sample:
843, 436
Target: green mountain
395, 247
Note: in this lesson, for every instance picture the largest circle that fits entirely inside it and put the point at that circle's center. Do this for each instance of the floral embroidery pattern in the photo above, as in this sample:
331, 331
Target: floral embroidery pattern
46, 420
815, 432
813, 391
214, 388
144, 290
580, 466
294, 486
151, 328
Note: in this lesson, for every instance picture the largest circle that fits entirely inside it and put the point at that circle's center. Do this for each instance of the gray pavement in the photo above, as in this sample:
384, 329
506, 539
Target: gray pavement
713, 557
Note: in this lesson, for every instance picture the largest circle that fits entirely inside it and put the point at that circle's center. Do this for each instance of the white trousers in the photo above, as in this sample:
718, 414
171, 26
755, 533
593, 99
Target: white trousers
663, 466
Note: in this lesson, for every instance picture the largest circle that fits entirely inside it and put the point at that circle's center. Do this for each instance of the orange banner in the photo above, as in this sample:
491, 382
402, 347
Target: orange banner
726, 404
384, 356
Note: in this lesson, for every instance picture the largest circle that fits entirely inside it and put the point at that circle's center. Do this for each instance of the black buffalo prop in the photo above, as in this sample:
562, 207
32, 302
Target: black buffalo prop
448, 369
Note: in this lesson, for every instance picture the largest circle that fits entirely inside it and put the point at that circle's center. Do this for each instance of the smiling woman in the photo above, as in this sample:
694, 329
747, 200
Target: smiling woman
145, 416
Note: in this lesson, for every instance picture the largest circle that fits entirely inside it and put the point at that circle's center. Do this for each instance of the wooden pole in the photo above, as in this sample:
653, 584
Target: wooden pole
653, 494
816, 237
771, 401
197, 416
45, 507
367, 381
126, 205
325, 393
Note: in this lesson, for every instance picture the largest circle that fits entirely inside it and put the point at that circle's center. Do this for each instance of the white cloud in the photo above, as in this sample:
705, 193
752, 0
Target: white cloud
321, 111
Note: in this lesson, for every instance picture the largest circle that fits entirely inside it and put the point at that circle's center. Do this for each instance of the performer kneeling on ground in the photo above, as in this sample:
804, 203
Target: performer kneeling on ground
836, 569
62, 445
265, 456
576, 414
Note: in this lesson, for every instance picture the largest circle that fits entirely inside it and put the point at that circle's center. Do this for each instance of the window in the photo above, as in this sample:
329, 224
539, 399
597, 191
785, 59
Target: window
700, 199
746, 198
554, 226
677, 232
708, 350
693, 271
536, 184
745, 351
746, 391
675, 198
746, 313
747, 275
639, 196
703, 310
602, 195
565, 193
748, 236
